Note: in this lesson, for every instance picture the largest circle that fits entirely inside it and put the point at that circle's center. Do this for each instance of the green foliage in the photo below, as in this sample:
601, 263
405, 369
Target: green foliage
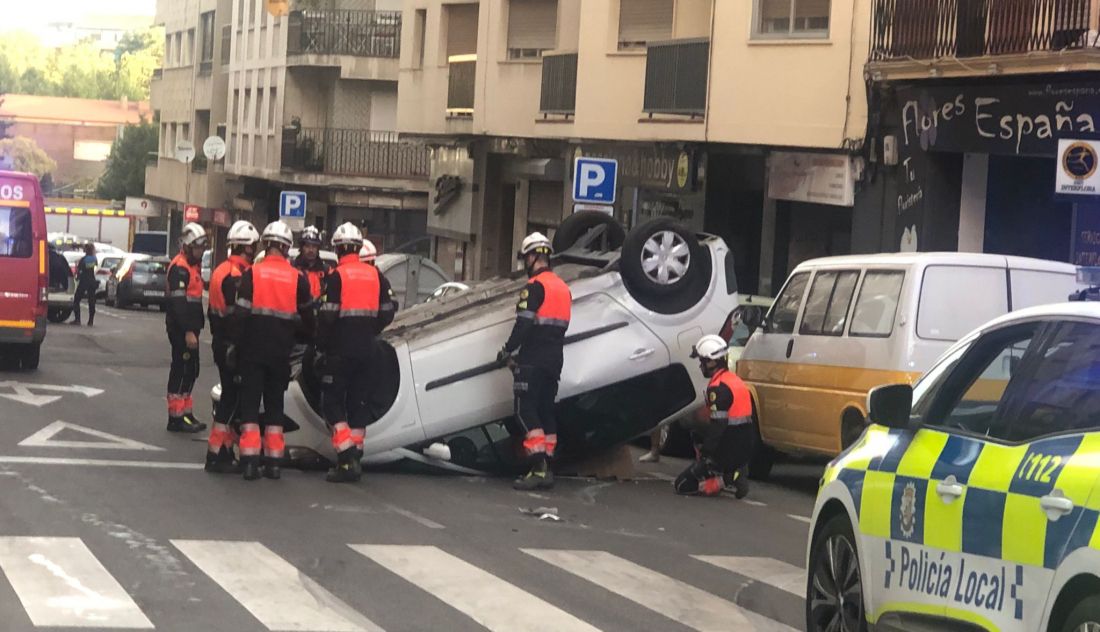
26, 156
81, 70
125, 174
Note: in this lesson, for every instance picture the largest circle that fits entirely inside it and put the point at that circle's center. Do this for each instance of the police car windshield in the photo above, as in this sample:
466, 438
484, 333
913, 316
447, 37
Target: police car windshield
929, 383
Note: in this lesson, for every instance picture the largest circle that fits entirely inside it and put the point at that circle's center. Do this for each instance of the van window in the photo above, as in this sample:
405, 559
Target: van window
1033, 287
827, 305
784, 313
877, 306
955, 300
16, 238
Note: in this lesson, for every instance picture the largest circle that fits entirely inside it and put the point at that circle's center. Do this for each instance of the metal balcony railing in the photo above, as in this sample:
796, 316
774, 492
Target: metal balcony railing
559, 84
460, 86
931, 29
353, 152
676, 75
338, 32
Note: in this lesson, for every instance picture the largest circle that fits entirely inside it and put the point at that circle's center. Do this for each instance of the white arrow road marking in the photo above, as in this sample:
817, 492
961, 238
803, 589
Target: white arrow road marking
44, 438
23, 392
766, 570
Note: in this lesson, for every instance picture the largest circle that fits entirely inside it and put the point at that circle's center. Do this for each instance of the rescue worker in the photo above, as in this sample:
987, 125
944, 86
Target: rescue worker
368, 253
242, 239
86, 284
273, 301
309, 260
725, 438
184, 322
536, 349
357, 305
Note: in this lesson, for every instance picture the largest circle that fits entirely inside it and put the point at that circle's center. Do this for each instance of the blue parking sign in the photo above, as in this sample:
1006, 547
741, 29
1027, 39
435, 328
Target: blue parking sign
595, 180
292, 204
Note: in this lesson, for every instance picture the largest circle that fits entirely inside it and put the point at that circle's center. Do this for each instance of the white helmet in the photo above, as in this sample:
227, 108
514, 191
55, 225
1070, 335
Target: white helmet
243, 233
368, 252
710, 347
347, 234
535, 243
278, 232
193, 235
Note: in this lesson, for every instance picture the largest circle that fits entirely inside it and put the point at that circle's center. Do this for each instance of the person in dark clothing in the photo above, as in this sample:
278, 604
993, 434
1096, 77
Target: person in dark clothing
536, 350
356, 306
184, 322
59, 270
86, 284
273, 304
309, 260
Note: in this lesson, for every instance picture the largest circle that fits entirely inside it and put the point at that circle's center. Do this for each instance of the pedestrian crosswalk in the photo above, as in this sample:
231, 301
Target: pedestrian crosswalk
61, 583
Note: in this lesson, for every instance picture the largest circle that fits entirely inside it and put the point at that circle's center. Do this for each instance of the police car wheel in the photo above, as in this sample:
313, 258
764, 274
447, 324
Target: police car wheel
1085, 616
834, 591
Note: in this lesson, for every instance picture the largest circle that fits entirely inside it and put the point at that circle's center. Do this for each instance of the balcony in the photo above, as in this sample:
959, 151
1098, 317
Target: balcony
353, 152
905, 32
460, 84
559, 84
354, 33
676, 75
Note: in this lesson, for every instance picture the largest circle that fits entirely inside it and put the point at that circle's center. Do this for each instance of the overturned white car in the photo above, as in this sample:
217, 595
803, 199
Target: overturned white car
640, 301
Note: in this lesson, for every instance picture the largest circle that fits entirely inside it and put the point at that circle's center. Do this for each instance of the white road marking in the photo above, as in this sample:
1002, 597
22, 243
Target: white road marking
766, 570
485, 598
672, 598
100, 310
62, 584
415, 517
799, 518
23, 392
661, 476
754, 503
112, 371
152, 465
271, 589
44, 438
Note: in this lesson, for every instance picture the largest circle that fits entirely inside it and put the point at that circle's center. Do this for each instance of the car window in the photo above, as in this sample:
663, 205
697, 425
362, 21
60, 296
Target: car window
784, 312
877, 306
955, 300
1034, 287
827, 304
150, 267
15, 232
1060, 390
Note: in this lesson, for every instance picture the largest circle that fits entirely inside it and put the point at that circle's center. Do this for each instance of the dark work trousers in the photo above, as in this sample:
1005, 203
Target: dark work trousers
227, 407
266, 379
346, 391
536, 389
185, 364
85, 290
722, 453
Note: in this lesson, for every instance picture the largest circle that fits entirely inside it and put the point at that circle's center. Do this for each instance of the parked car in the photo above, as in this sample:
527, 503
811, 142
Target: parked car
843, 325
447, 289
140, 280
641, 301
106, 267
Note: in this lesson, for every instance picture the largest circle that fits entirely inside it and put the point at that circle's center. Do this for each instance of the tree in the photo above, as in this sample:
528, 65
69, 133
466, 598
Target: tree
125, 173
23, 154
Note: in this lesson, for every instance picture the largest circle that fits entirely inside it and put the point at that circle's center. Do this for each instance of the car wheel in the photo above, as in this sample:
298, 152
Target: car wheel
834, 590
1085, 616
664, 266
577, 225
31, 356
58, 314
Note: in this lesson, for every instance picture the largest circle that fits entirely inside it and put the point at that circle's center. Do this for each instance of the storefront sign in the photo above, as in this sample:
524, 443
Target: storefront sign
221, 217
191, 213
810, 177
143, 207
1077, 168
1086, 235
651, 166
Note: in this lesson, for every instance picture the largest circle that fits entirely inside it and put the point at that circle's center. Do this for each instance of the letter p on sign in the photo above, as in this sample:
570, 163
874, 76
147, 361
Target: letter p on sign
595, 180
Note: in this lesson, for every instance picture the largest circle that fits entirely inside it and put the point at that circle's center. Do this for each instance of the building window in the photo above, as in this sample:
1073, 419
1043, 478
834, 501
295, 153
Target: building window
179, 48
532, 28
206, 23
234, 114
259, 105
791, 18
461, 20
189, 51
168, 51
272, 93
227, 44
420, 25
643, 21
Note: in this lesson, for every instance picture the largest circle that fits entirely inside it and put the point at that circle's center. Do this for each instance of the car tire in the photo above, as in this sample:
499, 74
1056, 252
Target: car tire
578, 224
31, 356
762, 461
1085, 616
833, 556
58, 314
664, 267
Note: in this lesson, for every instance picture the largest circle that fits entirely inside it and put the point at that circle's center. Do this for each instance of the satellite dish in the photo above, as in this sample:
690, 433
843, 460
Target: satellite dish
185, 151
214, 148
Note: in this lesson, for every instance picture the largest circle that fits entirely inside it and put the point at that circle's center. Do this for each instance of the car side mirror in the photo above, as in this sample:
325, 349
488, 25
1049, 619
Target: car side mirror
890, 406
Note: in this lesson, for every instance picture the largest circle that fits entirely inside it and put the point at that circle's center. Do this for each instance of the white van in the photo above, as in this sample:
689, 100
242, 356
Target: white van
843, 325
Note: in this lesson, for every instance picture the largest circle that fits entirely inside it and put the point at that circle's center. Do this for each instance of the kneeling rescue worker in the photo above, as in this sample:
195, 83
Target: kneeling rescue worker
224, 282
542, 317
726, 438
357, 305
184, 322
273, 300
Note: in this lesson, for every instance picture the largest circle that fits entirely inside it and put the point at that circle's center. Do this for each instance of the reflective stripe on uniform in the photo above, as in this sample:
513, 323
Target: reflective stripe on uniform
552, 322
358, 313
178, 293
274, 313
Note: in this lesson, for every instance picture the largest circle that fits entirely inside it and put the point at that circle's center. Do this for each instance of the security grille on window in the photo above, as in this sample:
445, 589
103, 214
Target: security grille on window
532, 28
642, 21
792, 18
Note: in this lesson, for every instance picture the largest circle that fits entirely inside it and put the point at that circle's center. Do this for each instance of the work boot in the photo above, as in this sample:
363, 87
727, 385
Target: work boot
190, 424
272, 470
540, 477
222, 463
251, 468
348, 468
739, 482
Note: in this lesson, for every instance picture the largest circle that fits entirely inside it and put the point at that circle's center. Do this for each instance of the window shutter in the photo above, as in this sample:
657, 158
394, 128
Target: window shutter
645, 20
533, 24
461, 29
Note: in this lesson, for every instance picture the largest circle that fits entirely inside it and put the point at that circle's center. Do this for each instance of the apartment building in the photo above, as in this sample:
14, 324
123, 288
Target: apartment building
971, 102
744, 118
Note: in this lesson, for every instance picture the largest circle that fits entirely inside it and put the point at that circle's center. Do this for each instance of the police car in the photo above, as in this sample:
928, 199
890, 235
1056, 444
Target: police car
971, 500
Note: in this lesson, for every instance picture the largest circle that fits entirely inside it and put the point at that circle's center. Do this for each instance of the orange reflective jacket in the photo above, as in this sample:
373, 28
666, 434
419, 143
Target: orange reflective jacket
741, 410
275, 288
193, 291
557, 305
234, 266
360, 289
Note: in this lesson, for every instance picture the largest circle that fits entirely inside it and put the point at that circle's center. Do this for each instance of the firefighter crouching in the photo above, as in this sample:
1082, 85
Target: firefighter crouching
184, 322
273, 301
356, 306
726, 438
536, 349
224, 282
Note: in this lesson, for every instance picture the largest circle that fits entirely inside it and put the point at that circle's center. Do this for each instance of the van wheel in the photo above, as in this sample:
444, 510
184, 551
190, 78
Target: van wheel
664, 267
58, 314
31, 356
575, 227
1085, 616
763, 459
834, 590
